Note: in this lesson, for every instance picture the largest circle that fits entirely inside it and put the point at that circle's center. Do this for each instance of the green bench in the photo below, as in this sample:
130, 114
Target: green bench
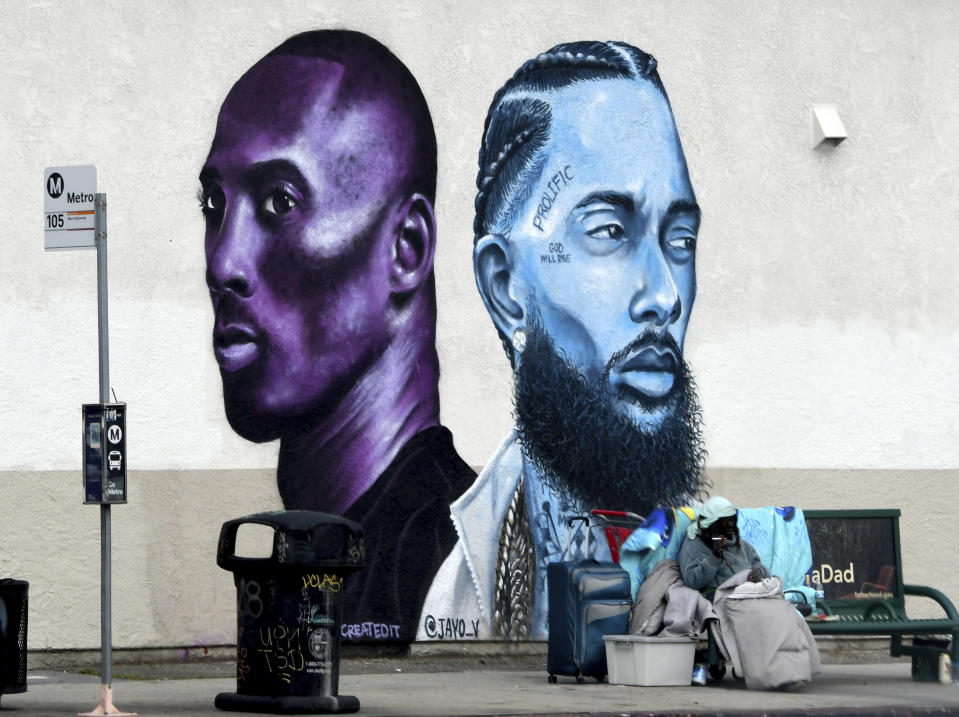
856, 555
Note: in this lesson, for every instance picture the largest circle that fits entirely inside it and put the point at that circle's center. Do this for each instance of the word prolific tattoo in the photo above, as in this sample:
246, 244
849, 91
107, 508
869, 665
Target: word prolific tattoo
558, 181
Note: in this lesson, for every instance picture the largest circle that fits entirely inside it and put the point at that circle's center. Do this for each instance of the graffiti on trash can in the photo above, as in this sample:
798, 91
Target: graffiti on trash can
280, 648
281, 547
250, 604
332, 583
311, 615
242, 666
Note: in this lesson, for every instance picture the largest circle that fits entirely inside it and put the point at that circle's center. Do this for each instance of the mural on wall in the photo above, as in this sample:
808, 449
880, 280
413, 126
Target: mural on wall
318, 197
584, 255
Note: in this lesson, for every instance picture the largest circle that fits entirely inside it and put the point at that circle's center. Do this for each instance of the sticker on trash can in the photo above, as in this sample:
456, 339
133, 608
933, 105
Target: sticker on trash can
320, 642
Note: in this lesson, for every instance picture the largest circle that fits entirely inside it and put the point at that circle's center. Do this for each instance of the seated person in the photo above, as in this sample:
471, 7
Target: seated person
713, 550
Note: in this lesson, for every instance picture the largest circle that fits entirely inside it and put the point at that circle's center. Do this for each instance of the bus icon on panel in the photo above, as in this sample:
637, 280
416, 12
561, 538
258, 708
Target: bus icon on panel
114, 459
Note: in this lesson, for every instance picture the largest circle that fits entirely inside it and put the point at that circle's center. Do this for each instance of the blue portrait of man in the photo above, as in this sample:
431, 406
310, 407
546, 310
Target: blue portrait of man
584, 255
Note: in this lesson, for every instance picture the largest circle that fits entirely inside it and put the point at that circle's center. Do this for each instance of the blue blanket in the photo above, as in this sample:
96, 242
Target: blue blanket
778, 535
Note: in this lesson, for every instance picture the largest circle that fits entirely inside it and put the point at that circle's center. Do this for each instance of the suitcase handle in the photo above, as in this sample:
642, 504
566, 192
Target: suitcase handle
569, 536
616, 514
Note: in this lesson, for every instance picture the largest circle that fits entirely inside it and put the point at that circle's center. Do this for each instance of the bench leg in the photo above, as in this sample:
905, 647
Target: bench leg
925, 653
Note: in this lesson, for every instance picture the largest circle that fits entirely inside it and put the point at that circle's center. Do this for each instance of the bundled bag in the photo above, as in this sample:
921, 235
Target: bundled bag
762, 636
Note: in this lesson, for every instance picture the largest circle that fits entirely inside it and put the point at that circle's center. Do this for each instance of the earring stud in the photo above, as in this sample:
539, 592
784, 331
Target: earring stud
519, 340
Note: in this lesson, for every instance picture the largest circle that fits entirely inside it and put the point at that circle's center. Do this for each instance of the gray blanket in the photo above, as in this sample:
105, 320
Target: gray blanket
666, 607
763, 636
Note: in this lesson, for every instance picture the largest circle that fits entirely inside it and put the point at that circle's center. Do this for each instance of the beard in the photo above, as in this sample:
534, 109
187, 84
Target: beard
588, 450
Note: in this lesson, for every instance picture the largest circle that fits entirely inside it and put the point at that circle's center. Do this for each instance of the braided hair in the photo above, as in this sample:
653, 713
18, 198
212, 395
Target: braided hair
518, 125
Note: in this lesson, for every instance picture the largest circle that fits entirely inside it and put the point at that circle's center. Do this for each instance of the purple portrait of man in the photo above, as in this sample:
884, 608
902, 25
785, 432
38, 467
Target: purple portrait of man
318, 195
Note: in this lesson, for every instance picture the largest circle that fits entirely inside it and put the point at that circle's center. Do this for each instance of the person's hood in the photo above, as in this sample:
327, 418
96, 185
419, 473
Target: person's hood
713, 509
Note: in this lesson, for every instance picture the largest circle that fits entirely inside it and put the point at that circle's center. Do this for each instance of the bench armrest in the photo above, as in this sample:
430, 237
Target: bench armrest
938, 596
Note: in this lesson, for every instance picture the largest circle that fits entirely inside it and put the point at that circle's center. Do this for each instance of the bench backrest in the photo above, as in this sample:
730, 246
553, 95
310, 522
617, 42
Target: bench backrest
856, 555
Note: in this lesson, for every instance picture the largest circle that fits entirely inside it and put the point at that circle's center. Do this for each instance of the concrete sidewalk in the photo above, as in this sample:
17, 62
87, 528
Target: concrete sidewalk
842, 689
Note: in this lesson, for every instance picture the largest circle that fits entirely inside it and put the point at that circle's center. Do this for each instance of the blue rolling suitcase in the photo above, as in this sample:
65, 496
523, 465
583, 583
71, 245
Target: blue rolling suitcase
587, 599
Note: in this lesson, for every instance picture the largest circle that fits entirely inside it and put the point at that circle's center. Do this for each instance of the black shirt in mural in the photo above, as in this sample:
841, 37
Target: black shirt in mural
406, 523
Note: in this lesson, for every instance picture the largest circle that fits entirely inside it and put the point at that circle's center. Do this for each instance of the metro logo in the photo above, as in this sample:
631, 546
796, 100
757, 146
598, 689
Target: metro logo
55, 185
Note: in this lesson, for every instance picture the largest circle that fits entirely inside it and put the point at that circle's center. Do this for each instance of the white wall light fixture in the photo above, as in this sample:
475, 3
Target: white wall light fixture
827, 128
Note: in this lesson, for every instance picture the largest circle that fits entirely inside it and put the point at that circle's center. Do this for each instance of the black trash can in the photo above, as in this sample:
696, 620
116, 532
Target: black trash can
288, 612
13, 635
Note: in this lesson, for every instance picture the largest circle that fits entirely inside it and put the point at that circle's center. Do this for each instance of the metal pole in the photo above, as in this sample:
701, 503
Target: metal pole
106, 638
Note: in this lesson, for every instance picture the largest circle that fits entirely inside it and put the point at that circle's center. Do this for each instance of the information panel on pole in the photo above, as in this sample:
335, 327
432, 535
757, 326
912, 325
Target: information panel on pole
104, 453
75, 217
68, 207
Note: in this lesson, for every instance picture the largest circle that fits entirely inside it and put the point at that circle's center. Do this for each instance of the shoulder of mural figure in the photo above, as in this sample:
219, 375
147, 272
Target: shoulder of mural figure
463, 587
407, 537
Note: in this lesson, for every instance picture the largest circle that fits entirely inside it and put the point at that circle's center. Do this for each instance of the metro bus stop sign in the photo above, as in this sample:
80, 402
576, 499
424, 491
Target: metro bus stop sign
69, 194
104, 453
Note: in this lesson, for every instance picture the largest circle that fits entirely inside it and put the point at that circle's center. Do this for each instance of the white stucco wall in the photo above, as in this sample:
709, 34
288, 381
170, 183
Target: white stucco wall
825, 332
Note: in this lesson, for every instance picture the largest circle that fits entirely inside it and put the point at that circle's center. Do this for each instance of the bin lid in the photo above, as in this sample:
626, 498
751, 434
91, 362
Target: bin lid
649, 638
301, 538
